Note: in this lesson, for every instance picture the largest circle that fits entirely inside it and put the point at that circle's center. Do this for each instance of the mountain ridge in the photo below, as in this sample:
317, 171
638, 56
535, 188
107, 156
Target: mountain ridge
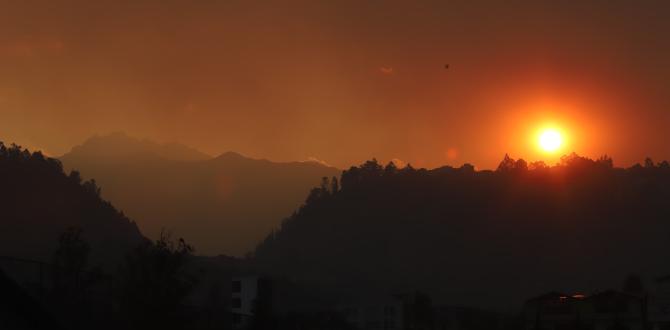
120, 144
222, 205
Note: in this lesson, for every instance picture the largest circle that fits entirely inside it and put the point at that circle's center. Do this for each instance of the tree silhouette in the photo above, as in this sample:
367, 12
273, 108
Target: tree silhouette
334, 185
538, 165
605, 161
507, 164
648, 163
71, 259
155, 284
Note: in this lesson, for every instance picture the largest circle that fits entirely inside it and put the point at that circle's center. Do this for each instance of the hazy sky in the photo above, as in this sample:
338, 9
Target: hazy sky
341, 81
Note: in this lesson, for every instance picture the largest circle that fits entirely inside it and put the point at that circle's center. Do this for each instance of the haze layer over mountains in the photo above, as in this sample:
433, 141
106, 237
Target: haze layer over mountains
221, 205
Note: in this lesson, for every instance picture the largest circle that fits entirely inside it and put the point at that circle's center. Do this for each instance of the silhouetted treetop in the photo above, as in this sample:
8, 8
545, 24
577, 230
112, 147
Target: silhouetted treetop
507, 164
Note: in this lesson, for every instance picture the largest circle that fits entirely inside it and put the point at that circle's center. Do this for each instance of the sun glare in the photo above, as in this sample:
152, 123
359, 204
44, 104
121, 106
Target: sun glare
550, 140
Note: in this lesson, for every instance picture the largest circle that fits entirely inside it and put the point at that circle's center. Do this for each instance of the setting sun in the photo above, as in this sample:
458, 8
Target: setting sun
550, 140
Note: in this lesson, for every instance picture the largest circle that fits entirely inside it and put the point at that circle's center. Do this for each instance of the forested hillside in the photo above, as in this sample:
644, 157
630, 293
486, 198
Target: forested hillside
39, 202
479, 238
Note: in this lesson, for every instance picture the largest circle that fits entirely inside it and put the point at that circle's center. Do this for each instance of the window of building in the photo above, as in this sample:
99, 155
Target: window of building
351, 312
236, 303
611, 306
237, 286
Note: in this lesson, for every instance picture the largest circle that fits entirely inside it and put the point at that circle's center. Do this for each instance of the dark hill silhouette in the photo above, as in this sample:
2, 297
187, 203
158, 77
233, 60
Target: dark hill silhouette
19, 310
38, 202
479, 238
222, 205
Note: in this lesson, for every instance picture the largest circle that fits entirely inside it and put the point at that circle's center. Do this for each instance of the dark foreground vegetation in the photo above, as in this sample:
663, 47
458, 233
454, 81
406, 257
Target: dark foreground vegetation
70, 260
380, 247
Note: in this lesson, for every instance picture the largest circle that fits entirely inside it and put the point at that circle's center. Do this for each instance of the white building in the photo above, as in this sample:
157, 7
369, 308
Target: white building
659, 309
245, 294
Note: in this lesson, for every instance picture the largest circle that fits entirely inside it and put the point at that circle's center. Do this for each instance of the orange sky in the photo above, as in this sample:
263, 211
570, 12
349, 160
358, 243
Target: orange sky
340, 81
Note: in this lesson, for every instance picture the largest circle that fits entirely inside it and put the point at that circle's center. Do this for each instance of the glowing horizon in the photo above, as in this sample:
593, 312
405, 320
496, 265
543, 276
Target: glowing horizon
290, 83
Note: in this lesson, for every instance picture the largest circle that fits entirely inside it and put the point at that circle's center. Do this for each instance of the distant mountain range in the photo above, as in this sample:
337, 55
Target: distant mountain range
221, 205
121, 147
38, 202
